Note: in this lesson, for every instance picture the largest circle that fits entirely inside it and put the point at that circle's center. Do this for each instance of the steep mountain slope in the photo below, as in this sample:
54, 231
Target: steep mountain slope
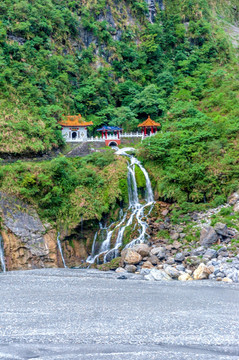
195, 158
113, 61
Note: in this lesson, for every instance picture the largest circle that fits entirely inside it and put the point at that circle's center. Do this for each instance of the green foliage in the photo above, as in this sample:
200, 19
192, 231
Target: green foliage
57, 57
194, 159
66, 190
140, 178
112, 265
226, 216
123, 185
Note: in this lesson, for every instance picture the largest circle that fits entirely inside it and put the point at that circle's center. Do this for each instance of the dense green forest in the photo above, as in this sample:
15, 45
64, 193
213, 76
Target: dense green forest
106, 60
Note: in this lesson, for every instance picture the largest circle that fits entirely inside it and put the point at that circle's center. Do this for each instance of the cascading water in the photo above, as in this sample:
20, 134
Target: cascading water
91, 258
60, 249
2, 259
135, 212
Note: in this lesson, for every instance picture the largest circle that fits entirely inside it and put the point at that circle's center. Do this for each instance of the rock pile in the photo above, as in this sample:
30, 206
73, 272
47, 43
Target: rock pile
216, 258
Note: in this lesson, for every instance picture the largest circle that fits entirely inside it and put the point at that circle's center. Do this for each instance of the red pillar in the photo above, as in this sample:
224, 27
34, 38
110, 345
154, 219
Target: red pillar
106, 134
102, 134
152, 130
145, 131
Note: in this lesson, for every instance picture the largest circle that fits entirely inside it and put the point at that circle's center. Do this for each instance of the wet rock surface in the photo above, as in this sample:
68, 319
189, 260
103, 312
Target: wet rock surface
87, 314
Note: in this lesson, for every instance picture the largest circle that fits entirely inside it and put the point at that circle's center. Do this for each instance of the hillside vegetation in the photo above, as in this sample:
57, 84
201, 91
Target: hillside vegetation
106, 60
103, 59
68, 191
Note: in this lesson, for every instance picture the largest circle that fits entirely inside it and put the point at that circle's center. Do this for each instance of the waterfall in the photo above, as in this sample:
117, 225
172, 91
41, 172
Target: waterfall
91, 258
2, 259
60, 249
135, 212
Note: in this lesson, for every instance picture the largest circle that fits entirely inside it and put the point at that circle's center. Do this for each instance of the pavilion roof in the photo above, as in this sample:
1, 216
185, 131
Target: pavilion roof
74, 120
149, 122
110, 128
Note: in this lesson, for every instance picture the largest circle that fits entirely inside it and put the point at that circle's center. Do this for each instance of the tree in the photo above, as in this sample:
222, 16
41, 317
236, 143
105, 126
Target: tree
149, 102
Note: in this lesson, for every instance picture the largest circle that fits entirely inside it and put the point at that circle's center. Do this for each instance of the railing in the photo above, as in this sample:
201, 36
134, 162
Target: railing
131, 135
110, 137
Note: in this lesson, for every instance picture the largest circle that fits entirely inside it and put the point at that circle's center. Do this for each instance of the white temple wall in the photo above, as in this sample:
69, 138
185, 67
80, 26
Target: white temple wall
74, 134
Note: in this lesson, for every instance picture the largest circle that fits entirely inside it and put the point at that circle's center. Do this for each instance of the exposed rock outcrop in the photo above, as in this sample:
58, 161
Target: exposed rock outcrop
28, 244
152, 8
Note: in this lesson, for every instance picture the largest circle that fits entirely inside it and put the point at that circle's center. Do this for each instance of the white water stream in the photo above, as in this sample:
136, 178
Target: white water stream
2, 259
60, 249
135, 211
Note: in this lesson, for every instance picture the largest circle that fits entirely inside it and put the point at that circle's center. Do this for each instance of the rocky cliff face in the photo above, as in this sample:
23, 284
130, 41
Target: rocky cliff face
152, 8
28, 244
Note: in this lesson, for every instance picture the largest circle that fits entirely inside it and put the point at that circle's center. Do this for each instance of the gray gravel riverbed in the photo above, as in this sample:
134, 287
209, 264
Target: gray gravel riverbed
85, 314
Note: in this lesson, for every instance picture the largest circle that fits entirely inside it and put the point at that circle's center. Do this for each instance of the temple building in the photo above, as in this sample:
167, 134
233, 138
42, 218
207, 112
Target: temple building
111, 135
149, 127
74, 128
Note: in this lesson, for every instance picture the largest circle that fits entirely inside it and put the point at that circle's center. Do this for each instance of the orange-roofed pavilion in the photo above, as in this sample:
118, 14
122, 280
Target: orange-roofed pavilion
74, 120
74, 127
149, 124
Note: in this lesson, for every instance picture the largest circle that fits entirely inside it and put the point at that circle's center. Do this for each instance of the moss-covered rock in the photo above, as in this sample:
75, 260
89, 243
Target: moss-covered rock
112, 265
140, 178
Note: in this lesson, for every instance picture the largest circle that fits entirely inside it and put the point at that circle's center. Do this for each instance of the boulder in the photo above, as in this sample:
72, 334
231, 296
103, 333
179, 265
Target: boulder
158, 275
142, 249
176, 245
233, 198
210, 254
223, 252
221, 229
179, 257
170, 261
120, 270
219, 274
144, 271
226, 279
174, 235
184, 277
236, 207
180, 267
130, 256
147, 265
193, 260
202, 272
130, 268
198, 251
156, 250
172, 272
159, 252
208, 236
161, 255
153, 259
